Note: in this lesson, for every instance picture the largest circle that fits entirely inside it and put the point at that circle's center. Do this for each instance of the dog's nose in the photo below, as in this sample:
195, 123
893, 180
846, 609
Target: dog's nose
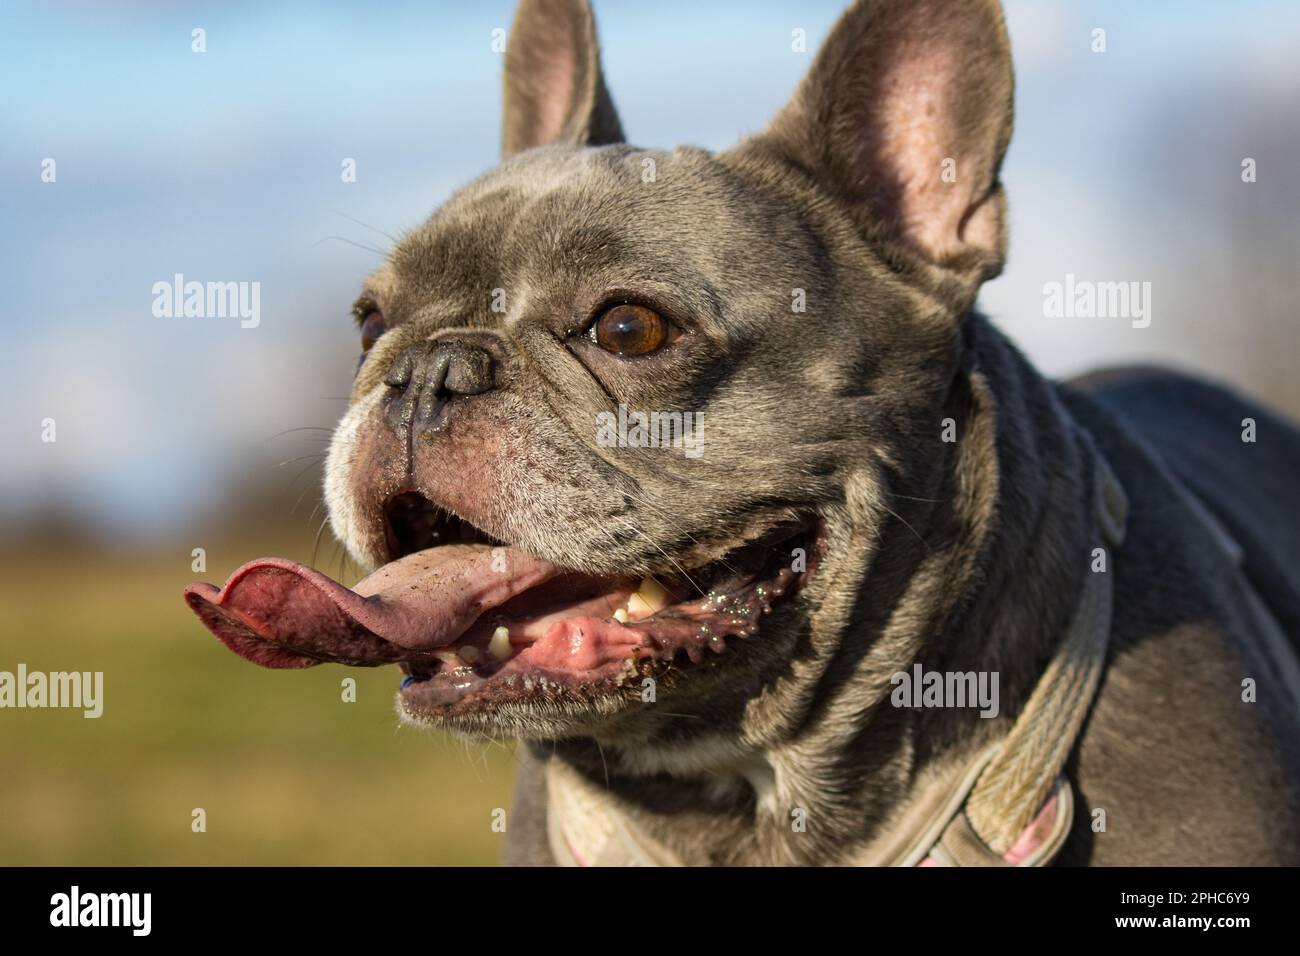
429, 375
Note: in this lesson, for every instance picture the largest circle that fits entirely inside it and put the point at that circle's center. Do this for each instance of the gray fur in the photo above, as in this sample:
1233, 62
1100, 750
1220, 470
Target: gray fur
964, 556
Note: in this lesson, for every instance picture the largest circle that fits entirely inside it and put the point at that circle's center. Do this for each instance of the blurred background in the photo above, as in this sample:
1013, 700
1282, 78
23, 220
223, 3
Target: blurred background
175, 433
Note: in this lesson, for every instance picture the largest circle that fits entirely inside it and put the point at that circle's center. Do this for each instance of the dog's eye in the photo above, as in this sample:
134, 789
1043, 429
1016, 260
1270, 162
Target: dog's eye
631, 330
372, 327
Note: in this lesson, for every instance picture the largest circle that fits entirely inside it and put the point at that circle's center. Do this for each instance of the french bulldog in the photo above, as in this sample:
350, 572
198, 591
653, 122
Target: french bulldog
701, 653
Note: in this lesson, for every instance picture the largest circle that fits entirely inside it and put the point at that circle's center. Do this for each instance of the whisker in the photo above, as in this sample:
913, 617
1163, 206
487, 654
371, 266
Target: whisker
304, 428
647, 503
931, 501
671, 560
316, 546
906, 525
299, 501
770, 548
359, 245
305, 470
315, 509
316, 456
364, 225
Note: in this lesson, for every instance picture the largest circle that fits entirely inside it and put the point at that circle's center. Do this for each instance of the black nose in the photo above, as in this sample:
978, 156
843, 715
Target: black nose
429, 375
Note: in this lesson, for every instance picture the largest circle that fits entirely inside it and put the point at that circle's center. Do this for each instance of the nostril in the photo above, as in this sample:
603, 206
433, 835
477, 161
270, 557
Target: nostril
469, 372
399, 373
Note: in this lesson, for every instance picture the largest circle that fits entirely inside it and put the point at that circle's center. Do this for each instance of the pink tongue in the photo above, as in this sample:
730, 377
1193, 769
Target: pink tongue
279, 613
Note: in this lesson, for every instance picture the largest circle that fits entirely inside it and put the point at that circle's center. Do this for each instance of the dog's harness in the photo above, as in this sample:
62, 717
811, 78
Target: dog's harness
1011, 806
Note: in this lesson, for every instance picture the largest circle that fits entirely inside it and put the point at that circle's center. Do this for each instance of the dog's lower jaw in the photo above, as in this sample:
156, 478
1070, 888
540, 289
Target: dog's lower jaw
989, 589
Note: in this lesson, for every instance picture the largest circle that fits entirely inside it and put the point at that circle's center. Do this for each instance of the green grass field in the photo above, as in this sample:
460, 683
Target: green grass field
287, 772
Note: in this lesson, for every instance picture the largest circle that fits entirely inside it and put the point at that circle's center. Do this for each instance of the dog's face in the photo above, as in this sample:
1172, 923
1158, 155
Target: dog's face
782, 316
663, 297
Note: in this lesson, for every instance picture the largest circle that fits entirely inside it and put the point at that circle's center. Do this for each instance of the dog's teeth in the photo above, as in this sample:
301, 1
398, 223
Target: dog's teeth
621, 615
650, 597
499, 646
468, 654
653, 593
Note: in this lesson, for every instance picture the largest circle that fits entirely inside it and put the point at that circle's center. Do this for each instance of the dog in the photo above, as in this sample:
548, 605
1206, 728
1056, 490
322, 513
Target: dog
707, 657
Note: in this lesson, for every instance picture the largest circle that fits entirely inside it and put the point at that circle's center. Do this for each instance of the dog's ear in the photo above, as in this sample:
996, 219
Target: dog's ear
905, 116
554, 90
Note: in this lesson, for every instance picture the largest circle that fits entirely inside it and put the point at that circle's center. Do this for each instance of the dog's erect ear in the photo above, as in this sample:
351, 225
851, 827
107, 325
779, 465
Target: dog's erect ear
554, 90
905, 116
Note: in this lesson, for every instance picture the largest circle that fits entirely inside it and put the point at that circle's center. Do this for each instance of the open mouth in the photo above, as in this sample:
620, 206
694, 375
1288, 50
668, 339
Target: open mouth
471, 620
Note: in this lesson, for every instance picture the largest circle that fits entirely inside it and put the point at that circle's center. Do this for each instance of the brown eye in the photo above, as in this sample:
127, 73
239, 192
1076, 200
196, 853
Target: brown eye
631, 330
372, 327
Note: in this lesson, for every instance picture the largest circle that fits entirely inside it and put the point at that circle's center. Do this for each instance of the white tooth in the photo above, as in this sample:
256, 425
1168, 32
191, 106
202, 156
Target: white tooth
653, 594
621, 615
650, 597
499, 646
469, 654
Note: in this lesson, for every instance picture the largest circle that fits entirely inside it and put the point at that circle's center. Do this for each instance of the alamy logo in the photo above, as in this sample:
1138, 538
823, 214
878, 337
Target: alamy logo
82, 690
945, 689
631, 429
1084, 299
208, 300
75, 908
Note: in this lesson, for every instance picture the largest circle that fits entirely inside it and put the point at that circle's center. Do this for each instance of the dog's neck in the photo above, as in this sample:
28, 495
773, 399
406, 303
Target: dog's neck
977, 569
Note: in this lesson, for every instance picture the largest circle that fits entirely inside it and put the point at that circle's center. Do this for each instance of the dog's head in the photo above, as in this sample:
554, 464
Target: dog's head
627, 419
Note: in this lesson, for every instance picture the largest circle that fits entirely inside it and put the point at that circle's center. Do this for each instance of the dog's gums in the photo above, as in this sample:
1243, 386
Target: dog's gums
476, 624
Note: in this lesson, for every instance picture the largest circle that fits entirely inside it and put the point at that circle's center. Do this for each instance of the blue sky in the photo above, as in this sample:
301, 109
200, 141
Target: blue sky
225, 165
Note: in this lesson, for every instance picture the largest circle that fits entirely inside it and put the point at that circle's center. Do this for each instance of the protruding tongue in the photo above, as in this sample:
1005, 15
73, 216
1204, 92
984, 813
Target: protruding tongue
279, 613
